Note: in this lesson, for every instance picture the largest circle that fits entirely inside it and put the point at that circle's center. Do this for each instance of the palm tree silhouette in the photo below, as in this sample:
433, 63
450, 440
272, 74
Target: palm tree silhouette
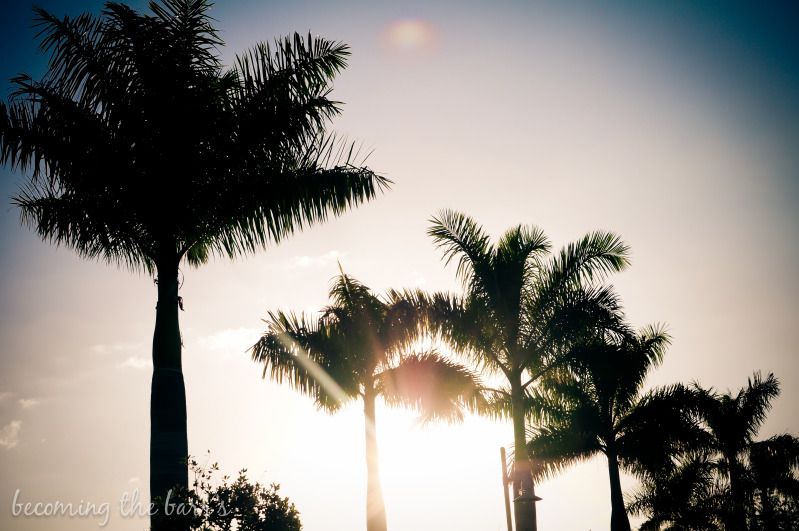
686, 495
359, 349
596, 406
722, 478
144, 151
773, 465
515, 313
732, 422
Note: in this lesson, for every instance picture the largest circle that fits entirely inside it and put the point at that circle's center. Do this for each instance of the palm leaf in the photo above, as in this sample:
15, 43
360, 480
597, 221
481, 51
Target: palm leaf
310, 356
439, 388
459, 236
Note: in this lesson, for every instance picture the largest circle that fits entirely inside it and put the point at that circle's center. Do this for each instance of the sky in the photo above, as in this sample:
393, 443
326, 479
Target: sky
673, 125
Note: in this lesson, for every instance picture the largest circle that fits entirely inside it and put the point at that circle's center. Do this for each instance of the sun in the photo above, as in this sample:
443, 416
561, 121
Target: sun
428, 470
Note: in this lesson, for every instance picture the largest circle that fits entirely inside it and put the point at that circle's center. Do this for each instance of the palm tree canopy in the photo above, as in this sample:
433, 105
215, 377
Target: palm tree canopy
722, 477
774, 463
734, 420
437, 387
686, 496
596, 404
361, 343
516, 302
141, 143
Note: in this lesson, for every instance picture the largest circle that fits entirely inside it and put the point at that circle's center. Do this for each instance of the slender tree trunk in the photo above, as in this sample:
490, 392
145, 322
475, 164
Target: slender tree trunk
523, 486
168, 438
738, 516
766, 509
375, 507
618, 513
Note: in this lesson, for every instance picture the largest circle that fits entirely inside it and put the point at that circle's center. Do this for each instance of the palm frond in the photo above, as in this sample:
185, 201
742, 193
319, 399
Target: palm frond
466, 324
330, 377
589, 259
190, 29
638, 356
270, 204
575, 315
659, 427
685, 497
504, 282
288, 87
755, 400
404, 322
556, 448
461, 238
439, 388
774, 464
92, 228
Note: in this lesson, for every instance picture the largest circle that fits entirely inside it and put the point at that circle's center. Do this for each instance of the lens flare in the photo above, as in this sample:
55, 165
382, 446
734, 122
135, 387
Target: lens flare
317, 373
409, 35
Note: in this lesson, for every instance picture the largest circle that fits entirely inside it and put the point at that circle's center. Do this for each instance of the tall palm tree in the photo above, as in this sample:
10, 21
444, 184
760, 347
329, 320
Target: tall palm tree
143, 150
359, 349
597, 406
516, 309
732, 422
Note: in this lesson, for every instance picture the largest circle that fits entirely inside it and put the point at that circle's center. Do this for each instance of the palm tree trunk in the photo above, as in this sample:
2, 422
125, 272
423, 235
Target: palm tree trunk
168, 437
375, 507
618, 513
766, 509
523, 486
738, 516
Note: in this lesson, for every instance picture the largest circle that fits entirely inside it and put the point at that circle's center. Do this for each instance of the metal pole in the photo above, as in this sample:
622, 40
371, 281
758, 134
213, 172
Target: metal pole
505, 482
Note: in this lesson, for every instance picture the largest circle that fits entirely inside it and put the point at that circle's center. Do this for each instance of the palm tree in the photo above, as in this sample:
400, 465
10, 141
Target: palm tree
685, 496
597, 406
516, 311
732, 422
359, 349
717, 469
773, 465
143, 150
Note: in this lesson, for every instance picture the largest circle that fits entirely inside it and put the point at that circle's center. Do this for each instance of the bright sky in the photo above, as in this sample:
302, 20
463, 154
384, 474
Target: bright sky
674, 126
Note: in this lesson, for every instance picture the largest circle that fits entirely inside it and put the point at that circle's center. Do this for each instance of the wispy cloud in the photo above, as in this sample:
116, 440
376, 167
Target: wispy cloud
116, 348
134, 479
417, 279
4, 395
135, 362
29, 403
318, 261
230, 341
9, 434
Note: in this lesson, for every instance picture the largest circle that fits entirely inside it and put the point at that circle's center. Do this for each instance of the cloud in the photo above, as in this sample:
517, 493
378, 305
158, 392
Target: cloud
417, 279
29, 403
134, 479
135, 362
9, 434
230, 341
115, 348
319, 261
4, 395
